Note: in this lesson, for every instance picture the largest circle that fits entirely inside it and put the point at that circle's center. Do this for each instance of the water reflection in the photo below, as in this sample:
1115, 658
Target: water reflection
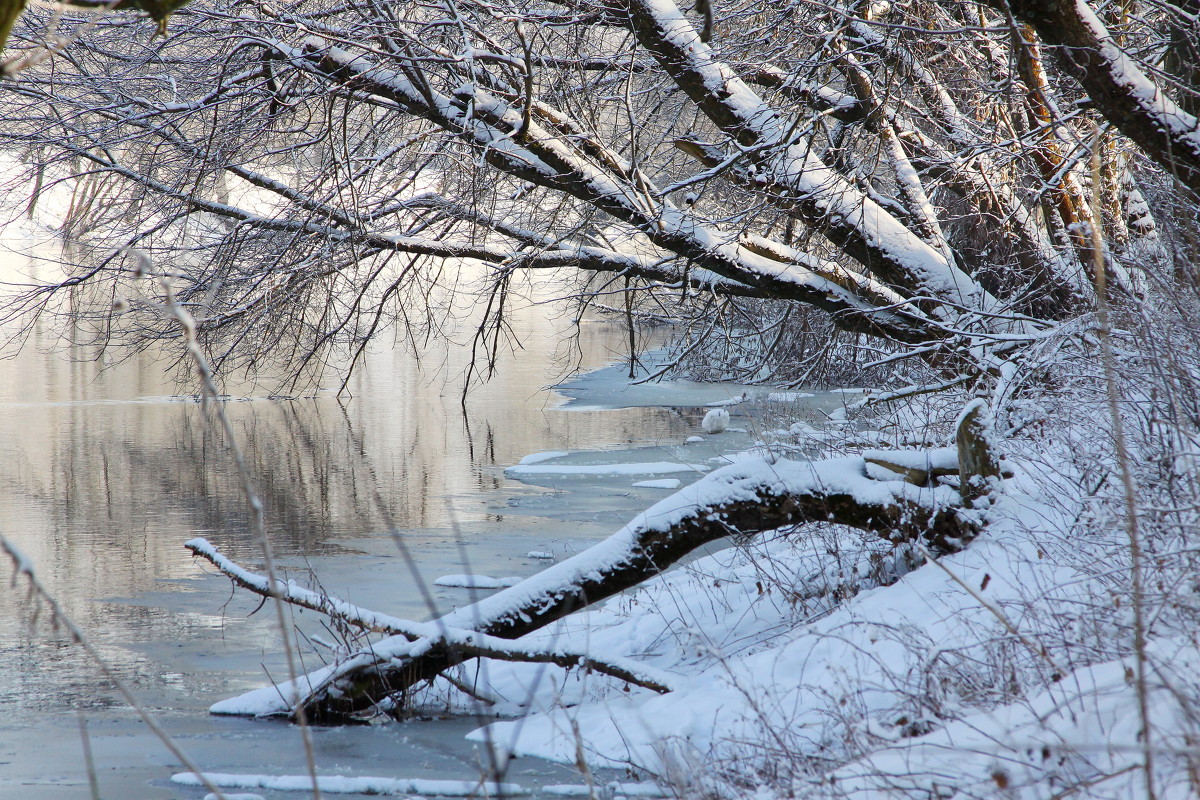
105, 473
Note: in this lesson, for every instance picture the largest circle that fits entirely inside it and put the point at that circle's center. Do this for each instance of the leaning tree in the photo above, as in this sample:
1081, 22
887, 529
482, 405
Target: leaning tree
955, 182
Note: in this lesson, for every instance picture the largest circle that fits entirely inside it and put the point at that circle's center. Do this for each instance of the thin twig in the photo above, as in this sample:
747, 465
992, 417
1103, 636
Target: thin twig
1129, 491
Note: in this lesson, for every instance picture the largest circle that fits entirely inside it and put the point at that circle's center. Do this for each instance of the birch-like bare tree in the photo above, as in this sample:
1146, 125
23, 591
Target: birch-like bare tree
955, 181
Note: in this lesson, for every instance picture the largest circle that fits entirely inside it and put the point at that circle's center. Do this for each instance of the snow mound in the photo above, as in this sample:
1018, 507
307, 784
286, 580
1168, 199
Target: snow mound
715, 421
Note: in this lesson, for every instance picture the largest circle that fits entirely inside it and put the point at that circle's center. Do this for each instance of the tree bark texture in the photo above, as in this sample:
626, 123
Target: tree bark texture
1122, 92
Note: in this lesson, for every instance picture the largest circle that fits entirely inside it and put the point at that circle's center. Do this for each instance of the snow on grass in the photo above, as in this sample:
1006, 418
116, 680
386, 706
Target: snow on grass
468, 581
1084, 725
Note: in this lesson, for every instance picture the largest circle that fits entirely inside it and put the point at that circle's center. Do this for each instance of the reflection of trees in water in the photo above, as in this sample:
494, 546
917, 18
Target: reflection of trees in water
114, 489
301, 463
101, 494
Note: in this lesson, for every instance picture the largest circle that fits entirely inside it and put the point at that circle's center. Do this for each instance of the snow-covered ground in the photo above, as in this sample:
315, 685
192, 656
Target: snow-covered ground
821, 662
825, 662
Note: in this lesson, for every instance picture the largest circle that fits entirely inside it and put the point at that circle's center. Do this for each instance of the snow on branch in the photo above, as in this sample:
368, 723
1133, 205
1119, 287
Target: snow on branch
740, 500
425, 636
528, 149
1123, 92
290, 592
822, 197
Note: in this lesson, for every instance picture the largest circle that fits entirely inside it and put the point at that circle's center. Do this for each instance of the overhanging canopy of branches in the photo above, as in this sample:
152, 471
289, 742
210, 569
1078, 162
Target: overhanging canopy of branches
307, 170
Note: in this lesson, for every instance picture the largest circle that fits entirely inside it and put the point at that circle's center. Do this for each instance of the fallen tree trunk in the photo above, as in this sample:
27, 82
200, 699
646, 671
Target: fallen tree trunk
739, 500
424, 635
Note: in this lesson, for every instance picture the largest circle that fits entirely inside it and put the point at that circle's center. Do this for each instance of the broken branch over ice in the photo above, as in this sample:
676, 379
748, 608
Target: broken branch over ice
428, 635
742, 499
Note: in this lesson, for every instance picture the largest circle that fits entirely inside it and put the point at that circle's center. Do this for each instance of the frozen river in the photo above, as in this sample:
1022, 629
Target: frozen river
105, 472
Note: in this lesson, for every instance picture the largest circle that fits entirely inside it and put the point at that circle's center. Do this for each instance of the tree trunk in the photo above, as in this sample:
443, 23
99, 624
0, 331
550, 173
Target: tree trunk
740, 501
1120, 89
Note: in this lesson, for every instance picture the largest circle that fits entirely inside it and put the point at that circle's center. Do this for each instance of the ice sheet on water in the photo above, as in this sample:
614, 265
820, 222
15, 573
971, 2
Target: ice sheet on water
664, 483
611, 387
340, 784
636, 468
470, 581
537, 458
735, 401
640, 789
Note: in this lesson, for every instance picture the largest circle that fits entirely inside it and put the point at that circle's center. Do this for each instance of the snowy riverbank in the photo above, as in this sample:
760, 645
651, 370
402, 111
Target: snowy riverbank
822, 663
825, 662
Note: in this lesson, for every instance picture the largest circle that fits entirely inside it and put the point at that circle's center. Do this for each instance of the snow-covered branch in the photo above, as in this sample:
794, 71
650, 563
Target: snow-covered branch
1126, 94
427, 635
826, 200
739, 500
535, 153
